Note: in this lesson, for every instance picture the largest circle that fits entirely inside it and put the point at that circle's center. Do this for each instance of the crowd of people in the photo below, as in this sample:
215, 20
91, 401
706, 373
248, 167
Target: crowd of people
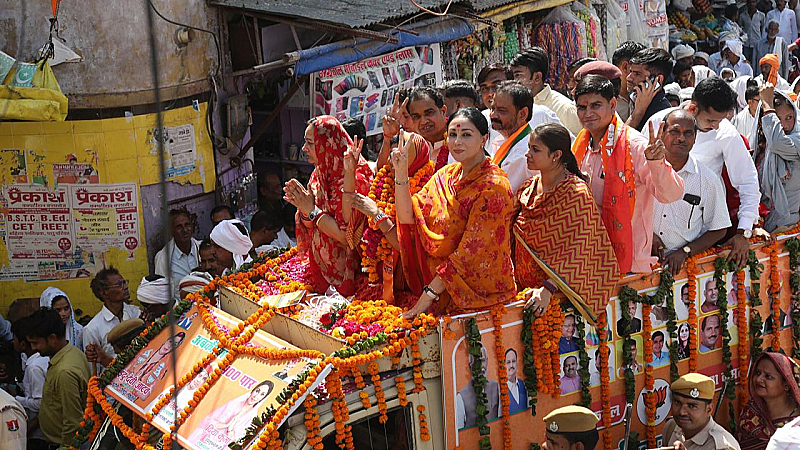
496, 187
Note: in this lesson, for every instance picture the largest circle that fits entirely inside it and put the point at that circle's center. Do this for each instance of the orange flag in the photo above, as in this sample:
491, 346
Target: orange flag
54, 4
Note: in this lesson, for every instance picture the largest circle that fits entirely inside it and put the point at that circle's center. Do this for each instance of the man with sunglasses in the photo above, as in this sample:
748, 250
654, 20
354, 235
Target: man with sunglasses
111, 288
678, 227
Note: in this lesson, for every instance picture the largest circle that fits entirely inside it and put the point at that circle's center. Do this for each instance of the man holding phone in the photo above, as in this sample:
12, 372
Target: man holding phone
649, 69
678, 227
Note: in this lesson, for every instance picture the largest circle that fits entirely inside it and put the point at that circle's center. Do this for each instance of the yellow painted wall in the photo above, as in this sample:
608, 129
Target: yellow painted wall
125, 153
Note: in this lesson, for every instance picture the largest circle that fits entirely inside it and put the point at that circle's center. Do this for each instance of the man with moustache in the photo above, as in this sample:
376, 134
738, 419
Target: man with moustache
428, 115
111, 288
699, 220
514, 115
709, 333
692, 425
570, 382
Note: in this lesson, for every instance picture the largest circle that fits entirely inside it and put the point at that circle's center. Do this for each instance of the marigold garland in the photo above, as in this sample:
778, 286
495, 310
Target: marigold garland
372, 368
605, 379
361, 386
502, 374
583, 362
375, 248
793, 245
691, 272
234, 342
721, 267
424, 432
775, 296
755, 268
649, 379
479, 381
531, 366
312, 422
741, 324
556, 319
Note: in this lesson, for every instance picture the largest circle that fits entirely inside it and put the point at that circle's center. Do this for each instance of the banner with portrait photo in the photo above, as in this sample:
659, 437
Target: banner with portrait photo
247, 387
459, 396
364, 89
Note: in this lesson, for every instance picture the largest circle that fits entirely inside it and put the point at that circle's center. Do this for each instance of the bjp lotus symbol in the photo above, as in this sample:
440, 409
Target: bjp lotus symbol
663, 401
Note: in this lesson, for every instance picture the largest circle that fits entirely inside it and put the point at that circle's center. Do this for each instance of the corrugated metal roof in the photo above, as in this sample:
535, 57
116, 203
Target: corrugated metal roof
483, 5
352, 13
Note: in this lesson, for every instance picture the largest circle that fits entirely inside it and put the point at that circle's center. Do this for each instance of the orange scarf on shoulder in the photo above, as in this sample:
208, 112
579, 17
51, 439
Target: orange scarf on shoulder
619, 192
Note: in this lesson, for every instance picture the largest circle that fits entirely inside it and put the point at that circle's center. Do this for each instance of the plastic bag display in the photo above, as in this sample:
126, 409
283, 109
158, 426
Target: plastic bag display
616, 30
594, 35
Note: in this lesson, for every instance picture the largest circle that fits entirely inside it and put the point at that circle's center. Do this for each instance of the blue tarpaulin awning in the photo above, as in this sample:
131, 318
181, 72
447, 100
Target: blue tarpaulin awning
343, 52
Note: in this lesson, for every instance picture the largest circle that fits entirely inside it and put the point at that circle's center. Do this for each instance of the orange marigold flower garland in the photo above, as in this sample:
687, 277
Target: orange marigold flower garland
775, 296
502, 375
312, 422
402, 396
424, 432
649, 380
741, 324
361, 386
605, 379
372, 368
556, 319
541, 357
691, 272
375, 248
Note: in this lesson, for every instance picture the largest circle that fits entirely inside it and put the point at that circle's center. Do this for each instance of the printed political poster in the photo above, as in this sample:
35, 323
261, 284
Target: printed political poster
246, 388
364, 89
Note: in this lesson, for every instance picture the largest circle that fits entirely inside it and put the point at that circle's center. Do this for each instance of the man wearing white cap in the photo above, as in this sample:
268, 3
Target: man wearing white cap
155, 296
716, 60
194, 282
231, 244
735, 60
701, 59
683, 54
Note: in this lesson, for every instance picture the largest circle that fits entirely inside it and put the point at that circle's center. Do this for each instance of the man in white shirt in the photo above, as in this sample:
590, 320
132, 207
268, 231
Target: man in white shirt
735, 60
34, 368
754, 23
695, 223
488, 79
514, 115
718, 144
182, 252
786, 19
746, 118
112, 289
530, 67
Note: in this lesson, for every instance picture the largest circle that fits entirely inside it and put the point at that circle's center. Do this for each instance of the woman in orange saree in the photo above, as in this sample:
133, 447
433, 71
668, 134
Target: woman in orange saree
453, 234
561, 243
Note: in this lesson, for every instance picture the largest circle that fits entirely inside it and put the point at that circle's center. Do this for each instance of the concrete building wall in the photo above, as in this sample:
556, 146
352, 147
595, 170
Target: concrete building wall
112, 38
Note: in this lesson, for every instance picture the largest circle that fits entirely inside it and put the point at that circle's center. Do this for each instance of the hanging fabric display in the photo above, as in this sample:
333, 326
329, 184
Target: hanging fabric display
563, 37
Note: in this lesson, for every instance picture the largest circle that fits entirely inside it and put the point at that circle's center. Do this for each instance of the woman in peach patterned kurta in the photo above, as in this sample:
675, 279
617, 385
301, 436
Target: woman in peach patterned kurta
455, 233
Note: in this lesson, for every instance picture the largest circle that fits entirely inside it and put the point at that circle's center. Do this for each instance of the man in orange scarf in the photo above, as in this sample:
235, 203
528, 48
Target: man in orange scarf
626, 173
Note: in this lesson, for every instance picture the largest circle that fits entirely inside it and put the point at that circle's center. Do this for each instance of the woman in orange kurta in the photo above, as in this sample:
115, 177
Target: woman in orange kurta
561, 243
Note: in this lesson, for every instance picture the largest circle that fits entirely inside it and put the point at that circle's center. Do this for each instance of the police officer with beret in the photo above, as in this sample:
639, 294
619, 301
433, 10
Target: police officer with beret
571, 428
692, 426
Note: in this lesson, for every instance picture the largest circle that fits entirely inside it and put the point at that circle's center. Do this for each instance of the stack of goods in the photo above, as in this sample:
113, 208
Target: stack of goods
511, 46
594, 38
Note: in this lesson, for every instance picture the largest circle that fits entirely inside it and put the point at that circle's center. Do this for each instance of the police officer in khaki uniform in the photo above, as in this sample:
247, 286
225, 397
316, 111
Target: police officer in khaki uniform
571, 428
691, 426
13, 423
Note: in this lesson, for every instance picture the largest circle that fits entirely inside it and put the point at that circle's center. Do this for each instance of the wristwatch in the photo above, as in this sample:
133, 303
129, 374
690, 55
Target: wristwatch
746, 233
687, 250
433, 295
378, 217
314, 214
